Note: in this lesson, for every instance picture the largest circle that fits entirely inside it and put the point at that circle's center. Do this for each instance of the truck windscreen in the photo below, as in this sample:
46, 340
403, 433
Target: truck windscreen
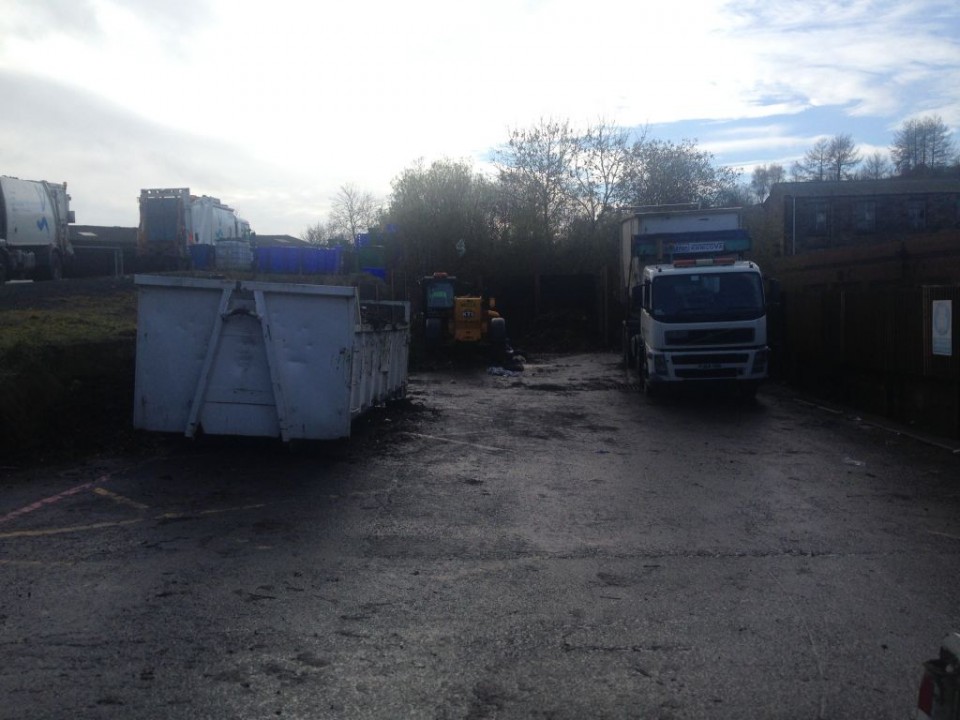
706, 296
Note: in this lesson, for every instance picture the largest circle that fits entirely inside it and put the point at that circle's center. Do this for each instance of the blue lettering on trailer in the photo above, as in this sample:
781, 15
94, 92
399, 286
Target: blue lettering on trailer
691, 243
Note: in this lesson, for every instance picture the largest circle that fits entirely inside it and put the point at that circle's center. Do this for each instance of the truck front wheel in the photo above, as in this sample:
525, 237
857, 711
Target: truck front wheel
648, 388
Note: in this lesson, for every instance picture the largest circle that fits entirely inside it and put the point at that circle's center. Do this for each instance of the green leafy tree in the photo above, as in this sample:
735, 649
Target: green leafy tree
445, 215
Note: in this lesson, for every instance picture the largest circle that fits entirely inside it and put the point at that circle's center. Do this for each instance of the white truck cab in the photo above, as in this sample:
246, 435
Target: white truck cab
696, 313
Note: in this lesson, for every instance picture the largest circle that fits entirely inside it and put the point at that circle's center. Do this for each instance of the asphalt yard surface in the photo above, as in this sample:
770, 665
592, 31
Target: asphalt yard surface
549, 544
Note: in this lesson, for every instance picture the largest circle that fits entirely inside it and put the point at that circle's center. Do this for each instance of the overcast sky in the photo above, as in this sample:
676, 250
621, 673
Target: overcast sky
272, 106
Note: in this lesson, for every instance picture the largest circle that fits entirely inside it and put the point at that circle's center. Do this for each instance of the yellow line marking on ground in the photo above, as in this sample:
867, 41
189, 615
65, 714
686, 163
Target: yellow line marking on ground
120, 523
941, 534
175, 516
73, 528
457, 442
120, 499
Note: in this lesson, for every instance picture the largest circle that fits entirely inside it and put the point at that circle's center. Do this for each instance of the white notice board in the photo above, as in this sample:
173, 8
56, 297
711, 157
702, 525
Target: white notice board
942, 331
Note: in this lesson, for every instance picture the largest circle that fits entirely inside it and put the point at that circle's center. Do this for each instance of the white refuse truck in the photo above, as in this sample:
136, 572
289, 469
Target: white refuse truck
179, 230
694, 310
34, 240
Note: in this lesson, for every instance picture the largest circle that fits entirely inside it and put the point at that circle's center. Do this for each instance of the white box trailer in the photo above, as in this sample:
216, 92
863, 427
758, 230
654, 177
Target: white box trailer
266, 359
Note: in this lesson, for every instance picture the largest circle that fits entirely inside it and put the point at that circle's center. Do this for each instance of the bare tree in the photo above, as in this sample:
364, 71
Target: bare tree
815, 164
829, 159
599, 163
843, 156
535, 174
664, 173
316, 234
922, 144
875, 167
764, 177
353, 210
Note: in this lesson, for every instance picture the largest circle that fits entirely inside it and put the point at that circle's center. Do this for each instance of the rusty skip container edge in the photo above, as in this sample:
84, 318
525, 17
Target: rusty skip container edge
264, 359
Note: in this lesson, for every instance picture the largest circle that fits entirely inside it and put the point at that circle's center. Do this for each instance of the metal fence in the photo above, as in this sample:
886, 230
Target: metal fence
878, 348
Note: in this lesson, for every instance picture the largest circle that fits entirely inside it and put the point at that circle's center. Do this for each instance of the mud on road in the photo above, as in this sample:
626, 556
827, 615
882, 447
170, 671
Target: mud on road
547, 544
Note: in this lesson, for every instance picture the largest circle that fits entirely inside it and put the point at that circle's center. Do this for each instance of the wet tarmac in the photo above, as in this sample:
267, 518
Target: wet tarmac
544, 544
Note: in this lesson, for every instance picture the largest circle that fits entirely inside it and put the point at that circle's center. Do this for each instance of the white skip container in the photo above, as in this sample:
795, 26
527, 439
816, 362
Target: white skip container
265, 359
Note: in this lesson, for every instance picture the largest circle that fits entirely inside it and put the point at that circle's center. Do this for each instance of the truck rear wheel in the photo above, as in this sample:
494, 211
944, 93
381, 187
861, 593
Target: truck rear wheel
52, 269
56, 265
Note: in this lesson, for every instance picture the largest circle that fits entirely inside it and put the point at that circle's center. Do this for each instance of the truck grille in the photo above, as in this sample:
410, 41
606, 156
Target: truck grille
710, 366
726, 336
711, 359
698, 374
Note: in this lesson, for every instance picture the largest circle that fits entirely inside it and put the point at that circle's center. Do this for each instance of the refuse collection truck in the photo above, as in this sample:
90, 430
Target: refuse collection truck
174, 225
34, 239
695, 311
263, 359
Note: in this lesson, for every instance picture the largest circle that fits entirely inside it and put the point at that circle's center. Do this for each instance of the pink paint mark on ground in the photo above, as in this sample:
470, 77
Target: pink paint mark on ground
52, 499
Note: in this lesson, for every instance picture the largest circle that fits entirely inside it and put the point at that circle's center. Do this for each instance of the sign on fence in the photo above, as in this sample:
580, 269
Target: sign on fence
942, 334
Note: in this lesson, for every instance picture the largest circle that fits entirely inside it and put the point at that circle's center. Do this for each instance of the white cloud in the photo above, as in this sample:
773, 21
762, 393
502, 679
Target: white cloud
279, 104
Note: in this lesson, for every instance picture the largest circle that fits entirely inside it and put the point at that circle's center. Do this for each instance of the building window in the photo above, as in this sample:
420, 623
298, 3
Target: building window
866, 216
917, 214
819, 218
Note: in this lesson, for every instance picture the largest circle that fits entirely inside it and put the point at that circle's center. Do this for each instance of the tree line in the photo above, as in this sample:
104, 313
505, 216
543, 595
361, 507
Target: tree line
552, 202
556, 193
921, 147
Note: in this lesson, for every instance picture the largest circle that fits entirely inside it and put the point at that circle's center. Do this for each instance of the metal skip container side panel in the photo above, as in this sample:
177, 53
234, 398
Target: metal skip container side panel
173, 333
379, 371
310, 340
249, 358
